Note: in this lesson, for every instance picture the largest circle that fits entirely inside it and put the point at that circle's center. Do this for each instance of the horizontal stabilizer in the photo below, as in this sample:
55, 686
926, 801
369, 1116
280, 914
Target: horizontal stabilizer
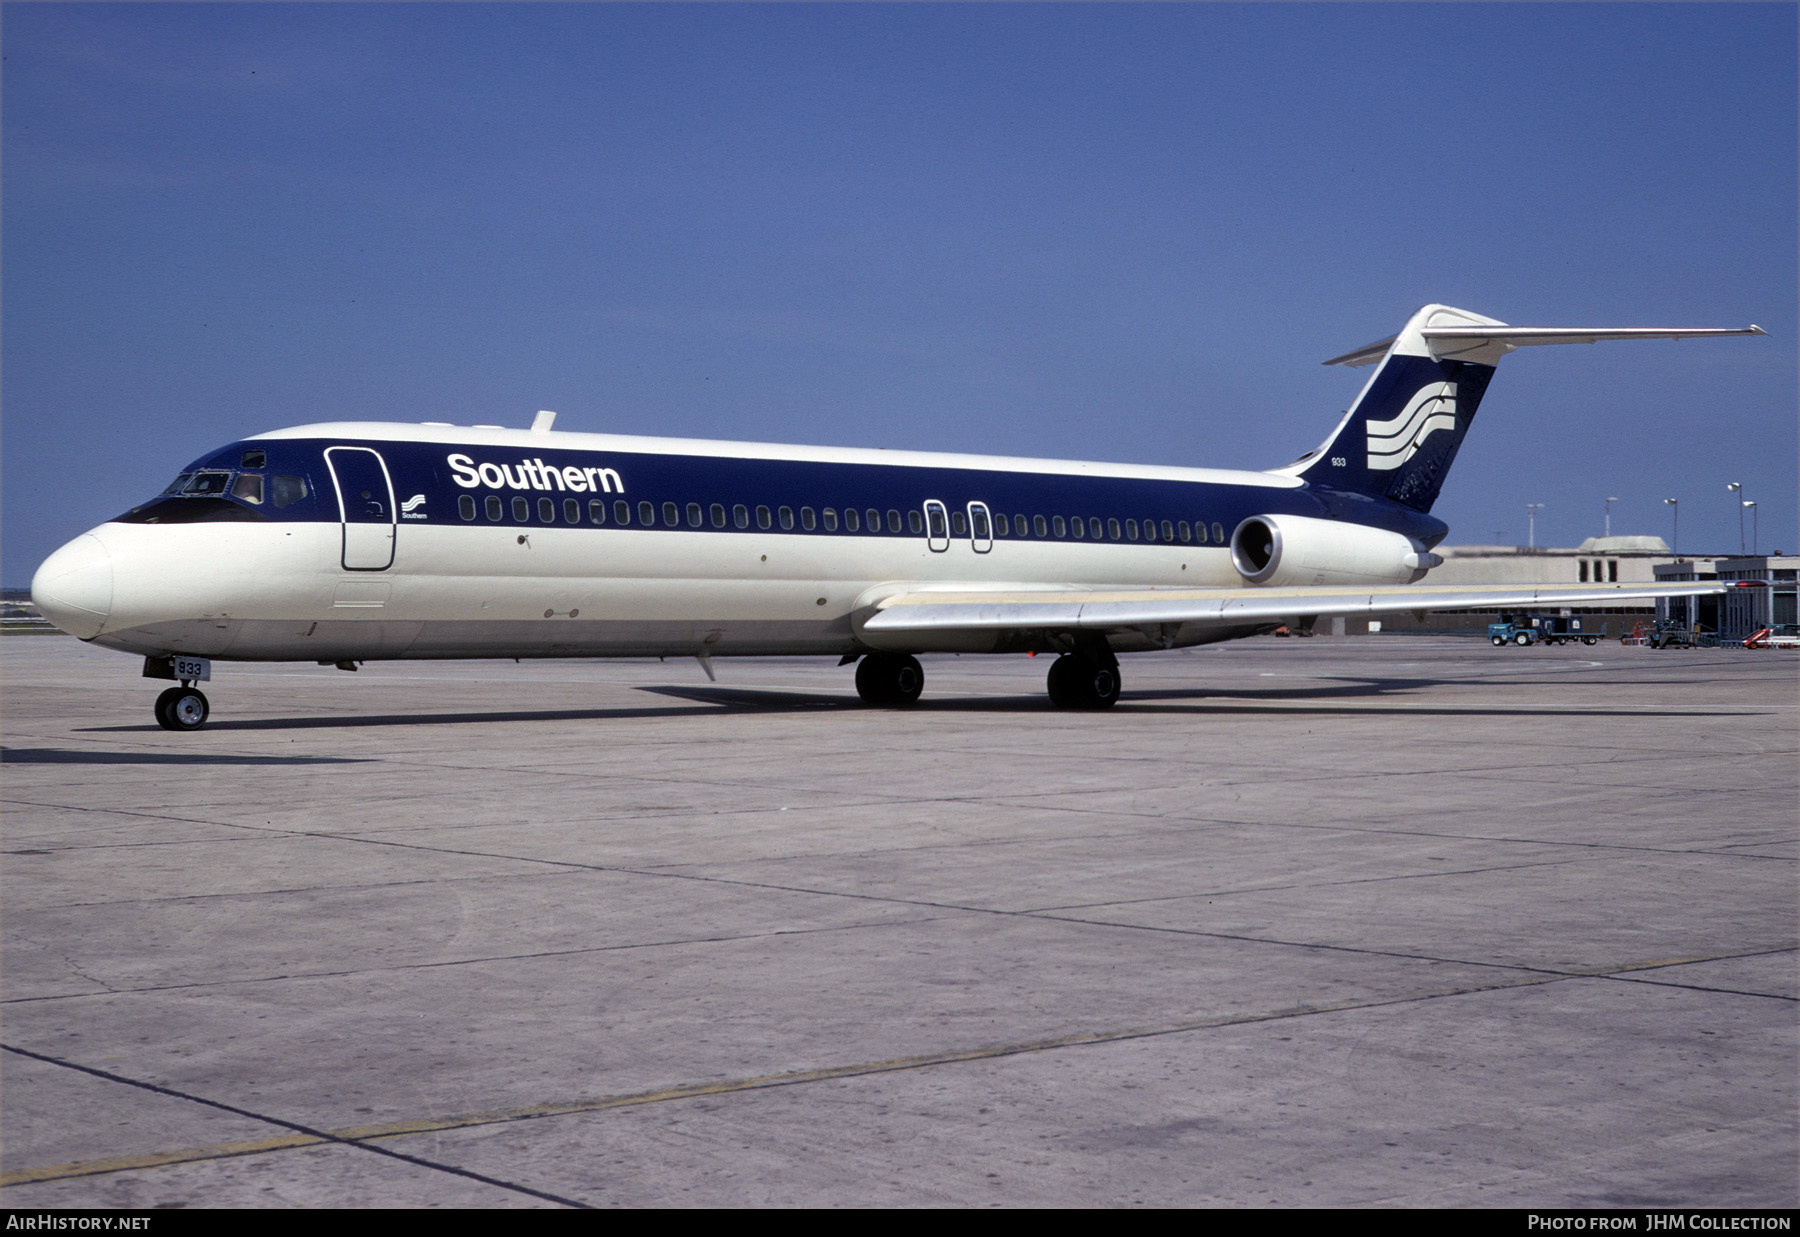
1100, 609
1487, 343
1461, 342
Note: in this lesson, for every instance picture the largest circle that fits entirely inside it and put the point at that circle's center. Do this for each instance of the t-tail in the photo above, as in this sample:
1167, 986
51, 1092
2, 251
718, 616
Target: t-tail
1403, 432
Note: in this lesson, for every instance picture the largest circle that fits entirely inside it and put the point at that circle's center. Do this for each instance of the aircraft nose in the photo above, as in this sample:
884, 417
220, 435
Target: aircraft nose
74, 587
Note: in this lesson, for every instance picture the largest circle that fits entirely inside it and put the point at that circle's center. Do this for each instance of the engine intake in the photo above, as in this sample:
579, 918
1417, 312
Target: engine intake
1288, 550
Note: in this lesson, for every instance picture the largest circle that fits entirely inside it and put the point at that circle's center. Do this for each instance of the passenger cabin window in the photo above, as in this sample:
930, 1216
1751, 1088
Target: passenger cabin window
1187, 534
1218, 532
935, 512
621, 511
493, 507
1113, 530
671, 515
787, 517
762, 517
740, 515
249, 487
718, 515
1000, 525
807, 520
596, 511
1149, 530
1038, 523
829, 516
959, 523
851, 520
571, 511
915, 521
647, 514
1131, 530
1200, 533
521, 510
1168, 531
695, 518
547, 510
1094, 527
978, 523
874, 519
465, 506
1080, 526
893, 521
1061, 526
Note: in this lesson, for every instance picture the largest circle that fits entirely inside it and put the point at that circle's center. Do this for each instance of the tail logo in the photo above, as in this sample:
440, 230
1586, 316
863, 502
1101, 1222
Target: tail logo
1392, 443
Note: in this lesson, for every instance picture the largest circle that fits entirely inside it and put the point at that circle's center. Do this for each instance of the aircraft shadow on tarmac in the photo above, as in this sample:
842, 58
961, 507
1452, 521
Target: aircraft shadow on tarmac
1343, 696
63, 756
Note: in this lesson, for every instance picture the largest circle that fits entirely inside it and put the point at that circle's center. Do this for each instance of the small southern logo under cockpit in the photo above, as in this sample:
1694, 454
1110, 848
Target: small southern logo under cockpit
409, 510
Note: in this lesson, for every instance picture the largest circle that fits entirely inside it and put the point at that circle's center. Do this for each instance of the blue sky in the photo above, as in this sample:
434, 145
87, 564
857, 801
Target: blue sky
1091, 231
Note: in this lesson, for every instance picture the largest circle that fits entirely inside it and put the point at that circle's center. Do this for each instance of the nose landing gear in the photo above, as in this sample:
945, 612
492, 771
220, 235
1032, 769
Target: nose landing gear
182, 708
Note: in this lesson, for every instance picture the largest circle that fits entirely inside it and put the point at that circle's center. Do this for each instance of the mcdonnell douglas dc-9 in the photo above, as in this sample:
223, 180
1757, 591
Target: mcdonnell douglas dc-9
347, 542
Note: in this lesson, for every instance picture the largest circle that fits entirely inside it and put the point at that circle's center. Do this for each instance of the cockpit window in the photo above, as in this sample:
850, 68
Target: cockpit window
206, 482
176, 485
253, 459
286, 490
248, 486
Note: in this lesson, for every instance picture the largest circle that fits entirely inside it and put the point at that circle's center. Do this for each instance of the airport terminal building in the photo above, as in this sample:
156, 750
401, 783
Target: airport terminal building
1618, 560
1737, 613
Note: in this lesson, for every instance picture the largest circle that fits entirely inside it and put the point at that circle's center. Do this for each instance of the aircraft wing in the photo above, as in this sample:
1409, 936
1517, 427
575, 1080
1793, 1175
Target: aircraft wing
939, 609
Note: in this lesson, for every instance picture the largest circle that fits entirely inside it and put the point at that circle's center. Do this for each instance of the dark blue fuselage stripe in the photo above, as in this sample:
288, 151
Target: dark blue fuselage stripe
420, 468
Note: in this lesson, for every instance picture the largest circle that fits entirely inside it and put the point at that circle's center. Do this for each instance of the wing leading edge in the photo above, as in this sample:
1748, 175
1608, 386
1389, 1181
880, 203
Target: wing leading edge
939, 611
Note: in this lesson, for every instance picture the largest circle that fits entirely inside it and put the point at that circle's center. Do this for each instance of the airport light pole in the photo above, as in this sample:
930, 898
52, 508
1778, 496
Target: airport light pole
1674, 505
1531, 510
1753, 537
1609, 503
1737, 487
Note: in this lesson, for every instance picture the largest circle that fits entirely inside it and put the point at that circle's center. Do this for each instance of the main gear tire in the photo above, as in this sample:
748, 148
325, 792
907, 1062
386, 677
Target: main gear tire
889, 679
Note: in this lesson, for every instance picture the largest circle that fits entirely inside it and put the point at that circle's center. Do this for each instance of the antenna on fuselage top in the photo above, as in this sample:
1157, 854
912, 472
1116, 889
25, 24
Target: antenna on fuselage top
541, 423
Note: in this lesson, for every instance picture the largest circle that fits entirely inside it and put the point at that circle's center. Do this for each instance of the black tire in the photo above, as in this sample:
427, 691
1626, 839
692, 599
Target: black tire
182, 708
1077, 683
1498, 642
888, 679
871, 681
1100, 686
1590, 640
1521, 639
906, 681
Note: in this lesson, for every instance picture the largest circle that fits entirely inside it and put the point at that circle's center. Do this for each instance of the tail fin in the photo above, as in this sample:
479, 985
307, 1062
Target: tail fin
1401, 435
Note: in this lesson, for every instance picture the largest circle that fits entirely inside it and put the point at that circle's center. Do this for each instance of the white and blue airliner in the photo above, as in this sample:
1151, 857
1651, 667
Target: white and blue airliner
346, 542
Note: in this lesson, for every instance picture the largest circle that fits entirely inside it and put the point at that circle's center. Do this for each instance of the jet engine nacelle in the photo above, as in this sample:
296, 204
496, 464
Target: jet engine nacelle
1287, 550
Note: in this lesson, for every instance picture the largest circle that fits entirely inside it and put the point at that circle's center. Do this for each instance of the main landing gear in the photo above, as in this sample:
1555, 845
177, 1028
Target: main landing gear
1085, 679
182, 708
889, 679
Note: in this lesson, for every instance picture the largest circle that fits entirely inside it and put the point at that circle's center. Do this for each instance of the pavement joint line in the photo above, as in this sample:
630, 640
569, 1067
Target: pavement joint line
952, 906
303, 1135
366, 1135
1359, 827
1668, 983
674, 942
